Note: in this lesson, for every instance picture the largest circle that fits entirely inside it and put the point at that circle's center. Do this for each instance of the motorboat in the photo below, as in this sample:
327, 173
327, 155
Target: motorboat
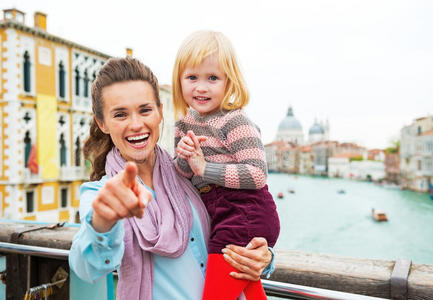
280, 195
341, 192
379, 215
291, 191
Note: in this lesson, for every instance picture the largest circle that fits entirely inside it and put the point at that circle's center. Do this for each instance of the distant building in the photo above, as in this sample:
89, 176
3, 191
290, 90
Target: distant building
166, 138
274, 156
392, 167
367, 170
306, 160
376, 154
318, 132
290, 129
416, 154
45, 114
321, 152
339, 165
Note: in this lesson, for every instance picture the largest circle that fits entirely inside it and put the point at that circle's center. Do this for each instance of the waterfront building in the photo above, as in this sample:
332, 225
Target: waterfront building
282, 156
290, 129
306, 160
45, 114
376, 154
416, 154
321, 152
392, 167
352, 149
339, 165
367, 170
273, 157
290, 158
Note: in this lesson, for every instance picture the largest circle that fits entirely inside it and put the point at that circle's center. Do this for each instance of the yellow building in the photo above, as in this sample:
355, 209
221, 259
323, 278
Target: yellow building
45, 113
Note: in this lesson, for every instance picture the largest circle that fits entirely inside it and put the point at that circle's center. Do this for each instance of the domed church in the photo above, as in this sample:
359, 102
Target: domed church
318, 132
290, 129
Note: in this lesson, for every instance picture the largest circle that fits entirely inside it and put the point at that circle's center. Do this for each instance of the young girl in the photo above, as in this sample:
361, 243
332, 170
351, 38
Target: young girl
220, 149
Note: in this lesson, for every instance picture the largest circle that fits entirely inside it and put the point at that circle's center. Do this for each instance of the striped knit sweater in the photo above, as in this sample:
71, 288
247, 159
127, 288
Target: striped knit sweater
233, 150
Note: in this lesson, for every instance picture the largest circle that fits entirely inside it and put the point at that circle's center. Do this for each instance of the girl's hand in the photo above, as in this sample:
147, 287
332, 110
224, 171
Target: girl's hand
250, 260
189, 149
196, 160
121, 197
185, 147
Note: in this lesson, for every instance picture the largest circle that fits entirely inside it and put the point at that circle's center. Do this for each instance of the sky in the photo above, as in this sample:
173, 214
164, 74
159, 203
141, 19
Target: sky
366, 66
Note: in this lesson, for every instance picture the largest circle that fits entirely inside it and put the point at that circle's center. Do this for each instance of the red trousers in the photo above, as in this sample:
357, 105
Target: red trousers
219, 285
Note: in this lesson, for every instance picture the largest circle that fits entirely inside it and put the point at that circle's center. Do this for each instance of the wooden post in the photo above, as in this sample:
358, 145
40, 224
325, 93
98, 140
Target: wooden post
369, 277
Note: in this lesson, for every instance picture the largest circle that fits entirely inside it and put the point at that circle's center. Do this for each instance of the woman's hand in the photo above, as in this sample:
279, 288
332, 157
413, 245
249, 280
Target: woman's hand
250, 260
121, 197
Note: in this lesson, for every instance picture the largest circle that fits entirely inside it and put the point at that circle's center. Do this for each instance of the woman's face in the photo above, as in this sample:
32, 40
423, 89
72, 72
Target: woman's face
131, 118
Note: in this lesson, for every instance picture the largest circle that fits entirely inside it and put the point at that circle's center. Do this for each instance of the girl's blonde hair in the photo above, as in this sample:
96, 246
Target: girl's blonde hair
194, 49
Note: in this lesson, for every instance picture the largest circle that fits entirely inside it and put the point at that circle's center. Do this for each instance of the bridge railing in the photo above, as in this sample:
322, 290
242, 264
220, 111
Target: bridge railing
35, 254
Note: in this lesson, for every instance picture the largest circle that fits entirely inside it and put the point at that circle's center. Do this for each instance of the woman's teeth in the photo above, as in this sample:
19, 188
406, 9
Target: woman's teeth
138, 139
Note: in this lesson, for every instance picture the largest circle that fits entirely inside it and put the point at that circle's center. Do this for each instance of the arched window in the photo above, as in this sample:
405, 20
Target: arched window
27, 148
26, 77
77, 82
86, 84
61, 80
62, 150
77, 152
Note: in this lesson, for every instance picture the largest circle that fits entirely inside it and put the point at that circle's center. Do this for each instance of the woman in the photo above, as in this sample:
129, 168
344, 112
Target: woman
159, 247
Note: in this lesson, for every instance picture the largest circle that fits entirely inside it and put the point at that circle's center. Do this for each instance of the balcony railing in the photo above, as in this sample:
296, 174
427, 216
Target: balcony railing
72, 173
31, 178
35, 253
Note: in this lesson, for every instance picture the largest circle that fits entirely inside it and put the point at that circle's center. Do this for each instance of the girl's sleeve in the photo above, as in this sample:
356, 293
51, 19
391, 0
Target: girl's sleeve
245, 145
181, 164
93, 254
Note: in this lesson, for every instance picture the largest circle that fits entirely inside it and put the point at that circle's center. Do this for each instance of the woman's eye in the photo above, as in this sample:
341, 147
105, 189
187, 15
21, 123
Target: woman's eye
213, 78
145, 110
119, 115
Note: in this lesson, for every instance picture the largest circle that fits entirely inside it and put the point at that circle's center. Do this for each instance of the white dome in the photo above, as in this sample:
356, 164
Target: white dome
316, 129
289, 122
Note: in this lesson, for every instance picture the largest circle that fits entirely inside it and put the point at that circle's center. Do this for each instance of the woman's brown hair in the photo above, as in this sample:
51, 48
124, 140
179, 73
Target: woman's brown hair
98, 144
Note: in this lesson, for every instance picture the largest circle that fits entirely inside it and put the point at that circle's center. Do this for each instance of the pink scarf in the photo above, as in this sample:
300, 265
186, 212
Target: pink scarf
163, 230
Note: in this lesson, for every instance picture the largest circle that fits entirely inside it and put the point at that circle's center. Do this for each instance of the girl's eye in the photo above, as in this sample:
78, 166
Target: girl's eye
213, 78
192, 77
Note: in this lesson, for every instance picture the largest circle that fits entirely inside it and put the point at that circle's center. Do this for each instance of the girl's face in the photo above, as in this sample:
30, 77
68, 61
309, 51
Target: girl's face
204, 86
131, 118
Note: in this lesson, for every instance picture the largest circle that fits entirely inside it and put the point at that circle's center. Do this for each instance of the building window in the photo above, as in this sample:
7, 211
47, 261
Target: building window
86, 84
77, 82
30, 201
61, 80
62, 143
419, 165
27, 148
77, 152
64, 197
26, 77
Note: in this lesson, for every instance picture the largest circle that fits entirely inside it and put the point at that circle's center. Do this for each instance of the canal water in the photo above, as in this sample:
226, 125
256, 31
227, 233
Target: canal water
316, 218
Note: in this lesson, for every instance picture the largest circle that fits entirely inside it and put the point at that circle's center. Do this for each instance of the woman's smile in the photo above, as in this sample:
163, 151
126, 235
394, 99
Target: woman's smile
138, 140
131, 118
